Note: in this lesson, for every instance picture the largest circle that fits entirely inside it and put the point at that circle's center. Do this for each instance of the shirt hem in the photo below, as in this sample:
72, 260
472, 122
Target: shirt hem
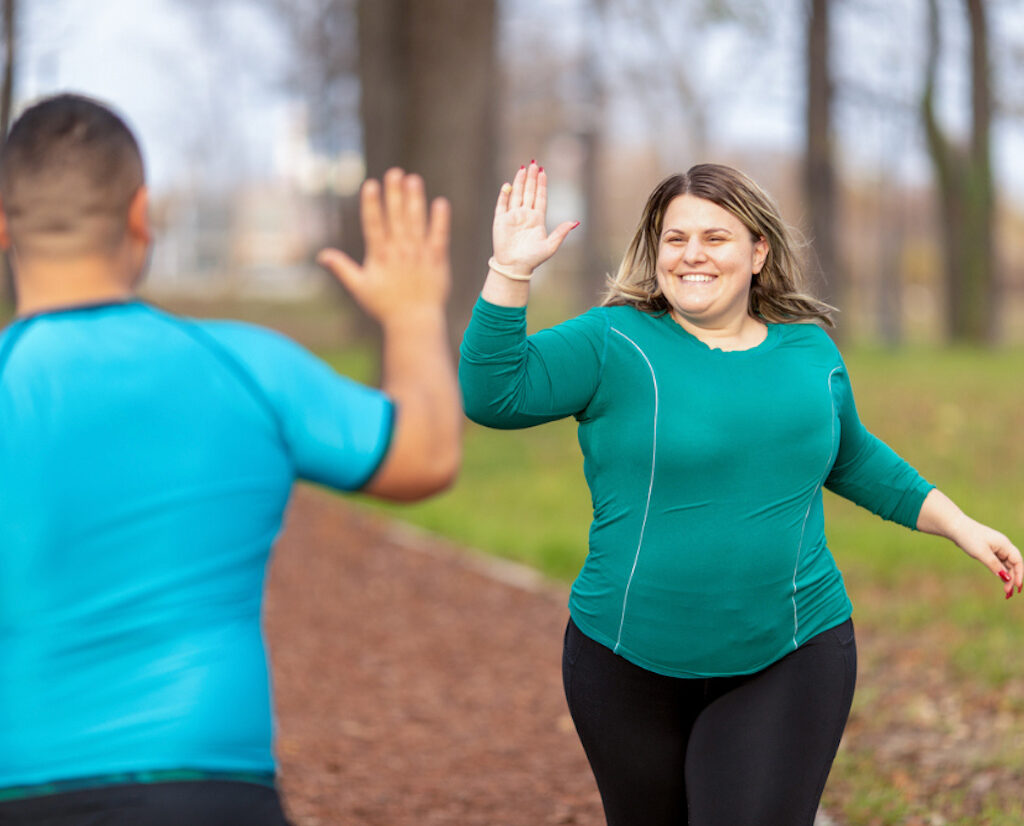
681, 673
47, 788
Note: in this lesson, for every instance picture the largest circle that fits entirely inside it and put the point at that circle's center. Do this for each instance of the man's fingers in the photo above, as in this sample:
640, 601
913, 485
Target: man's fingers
393, 198
439, 231
415, 205
341, 266
371, 213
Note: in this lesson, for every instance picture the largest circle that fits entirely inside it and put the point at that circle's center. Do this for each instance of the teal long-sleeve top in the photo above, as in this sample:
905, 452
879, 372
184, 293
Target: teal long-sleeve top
707, 553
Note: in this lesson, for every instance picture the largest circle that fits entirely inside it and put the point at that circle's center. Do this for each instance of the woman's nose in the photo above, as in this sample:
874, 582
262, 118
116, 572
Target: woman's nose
694, 250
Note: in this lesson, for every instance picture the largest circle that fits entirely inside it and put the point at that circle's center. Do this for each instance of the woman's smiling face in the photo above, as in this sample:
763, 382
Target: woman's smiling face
706, 260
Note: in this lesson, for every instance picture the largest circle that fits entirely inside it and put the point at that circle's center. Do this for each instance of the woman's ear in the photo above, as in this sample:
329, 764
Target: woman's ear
761, 248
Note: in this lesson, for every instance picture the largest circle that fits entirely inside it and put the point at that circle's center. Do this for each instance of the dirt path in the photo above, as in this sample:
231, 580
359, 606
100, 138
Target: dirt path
413, 689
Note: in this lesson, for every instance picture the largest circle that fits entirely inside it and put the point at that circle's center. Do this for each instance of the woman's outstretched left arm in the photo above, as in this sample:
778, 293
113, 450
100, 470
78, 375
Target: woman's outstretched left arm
940, 516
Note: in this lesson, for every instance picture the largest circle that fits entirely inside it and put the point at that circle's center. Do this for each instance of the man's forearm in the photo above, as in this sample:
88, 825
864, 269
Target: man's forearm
419, 376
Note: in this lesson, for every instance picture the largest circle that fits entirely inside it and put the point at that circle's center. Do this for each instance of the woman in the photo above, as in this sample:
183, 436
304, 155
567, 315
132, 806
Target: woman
709, 660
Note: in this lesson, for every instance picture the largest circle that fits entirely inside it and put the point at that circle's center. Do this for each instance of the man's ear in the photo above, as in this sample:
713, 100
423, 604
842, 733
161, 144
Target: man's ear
5, 238
138, 216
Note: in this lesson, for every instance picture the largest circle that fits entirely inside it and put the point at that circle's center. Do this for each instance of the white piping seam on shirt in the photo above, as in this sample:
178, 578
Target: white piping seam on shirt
803, 527
650, 487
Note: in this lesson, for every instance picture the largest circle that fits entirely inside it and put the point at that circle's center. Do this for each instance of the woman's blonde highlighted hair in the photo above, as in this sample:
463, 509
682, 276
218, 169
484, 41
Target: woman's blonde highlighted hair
776, 293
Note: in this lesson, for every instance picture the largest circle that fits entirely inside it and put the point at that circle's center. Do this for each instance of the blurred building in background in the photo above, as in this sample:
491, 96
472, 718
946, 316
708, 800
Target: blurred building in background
255, 238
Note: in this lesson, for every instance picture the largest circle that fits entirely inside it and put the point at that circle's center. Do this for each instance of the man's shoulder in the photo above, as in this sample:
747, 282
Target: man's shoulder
245, 339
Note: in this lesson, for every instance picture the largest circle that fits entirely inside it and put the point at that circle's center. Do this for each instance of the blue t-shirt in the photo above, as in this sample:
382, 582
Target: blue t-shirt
145, 465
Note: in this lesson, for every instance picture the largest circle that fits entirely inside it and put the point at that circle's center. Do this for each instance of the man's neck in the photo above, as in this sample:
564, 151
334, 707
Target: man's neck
68, 282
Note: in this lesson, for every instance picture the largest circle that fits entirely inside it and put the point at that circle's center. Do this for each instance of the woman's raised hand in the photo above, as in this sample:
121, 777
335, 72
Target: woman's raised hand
521, 240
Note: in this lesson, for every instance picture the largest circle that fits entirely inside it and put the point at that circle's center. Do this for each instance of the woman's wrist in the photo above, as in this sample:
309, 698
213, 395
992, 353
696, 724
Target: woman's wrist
504, 291
941, 516
515, 272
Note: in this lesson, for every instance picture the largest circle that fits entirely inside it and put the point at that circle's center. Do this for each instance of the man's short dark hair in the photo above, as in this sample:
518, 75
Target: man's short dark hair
68, 172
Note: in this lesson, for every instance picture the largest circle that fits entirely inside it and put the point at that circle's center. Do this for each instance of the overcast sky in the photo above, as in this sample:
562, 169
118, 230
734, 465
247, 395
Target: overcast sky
191, 93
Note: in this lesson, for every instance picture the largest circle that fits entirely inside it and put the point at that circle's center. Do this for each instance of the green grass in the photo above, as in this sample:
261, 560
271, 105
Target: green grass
871, 797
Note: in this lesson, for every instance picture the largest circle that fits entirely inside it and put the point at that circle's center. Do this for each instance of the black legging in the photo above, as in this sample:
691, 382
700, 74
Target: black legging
727, 751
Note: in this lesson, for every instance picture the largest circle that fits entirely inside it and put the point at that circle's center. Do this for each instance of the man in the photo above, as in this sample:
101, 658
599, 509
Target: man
145, 464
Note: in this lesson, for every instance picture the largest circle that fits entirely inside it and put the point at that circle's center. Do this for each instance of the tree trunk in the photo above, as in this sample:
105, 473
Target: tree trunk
427, 70
595, 264
819, 168
7, 291
981, 259
590, 280
890, 270
963, 177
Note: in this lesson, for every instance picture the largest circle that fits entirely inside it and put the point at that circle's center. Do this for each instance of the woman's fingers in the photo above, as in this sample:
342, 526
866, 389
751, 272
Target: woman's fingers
991, 561
528, 190
559, 233
518, 184
504, 194
540, 202
1000, 556
1012, 566
530, 187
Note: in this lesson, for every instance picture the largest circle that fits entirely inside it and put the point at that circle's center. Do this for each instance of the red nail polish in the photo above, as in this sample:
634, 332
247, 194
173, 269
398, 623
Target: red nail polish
532, 160
1005, 577
576, 225
522, 167
541, 169
1010, 594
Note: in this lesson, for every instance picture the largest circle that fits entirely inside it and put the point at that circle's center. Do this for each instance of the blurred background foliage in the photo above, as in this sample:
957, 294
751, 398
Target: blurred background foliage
887, 129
